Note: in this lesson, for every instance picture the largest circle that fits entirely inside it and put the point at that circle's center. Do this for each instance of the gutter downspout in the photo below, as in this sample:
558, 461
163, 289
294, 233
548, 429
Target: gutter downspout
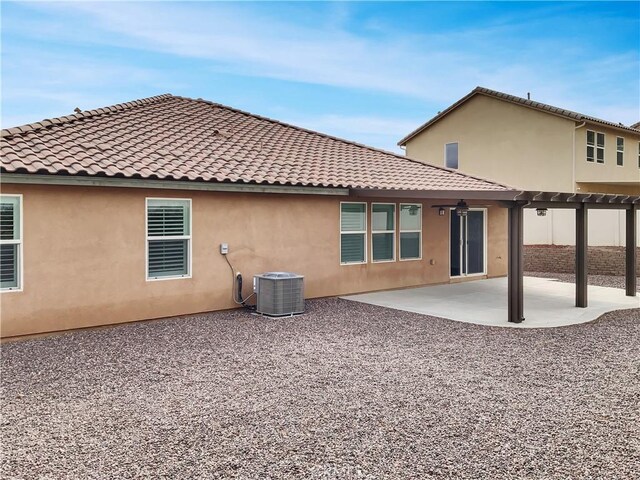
573, 170
573, 174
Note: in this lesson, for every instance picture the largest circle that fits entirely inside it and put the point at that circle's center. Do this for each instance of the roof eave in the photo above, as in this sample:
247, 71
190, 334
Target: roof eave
124, 182
439, 116
487, 195
576, 117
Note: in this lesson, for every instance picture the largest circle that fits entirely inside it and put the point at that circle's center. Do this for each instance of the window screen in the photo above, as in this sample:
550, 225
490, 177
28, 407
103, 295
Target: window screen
383, 221
600, 147
168, 238
10, 242
410, 231
620, 151
353, 230
451, 155
591, 146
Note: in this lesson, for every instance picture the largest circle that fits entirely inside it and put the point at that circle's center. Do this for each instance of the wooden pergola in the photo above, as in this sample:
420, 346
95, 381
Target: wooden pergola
581, 203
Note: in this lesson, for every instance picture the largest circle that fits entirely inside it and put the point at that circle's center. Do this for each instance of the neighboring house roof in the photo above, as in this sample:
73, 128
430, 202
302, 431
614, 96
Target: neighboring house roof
175, 138
543, 107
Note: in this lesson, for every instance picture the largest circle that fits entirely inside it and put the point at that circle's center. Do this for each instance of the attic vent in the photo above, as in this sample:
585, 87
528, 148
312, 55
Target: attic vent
279, 293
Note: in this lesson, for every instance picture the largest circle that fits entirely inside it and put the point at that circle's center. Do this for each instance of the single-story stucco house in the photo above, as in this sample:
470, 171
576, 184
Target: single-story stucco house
117, 215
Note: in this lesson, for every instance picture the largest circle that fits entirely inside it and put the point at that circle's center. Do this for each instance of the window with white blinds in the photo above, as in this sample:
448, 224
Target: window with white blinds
353, 232
10, 242
168, 238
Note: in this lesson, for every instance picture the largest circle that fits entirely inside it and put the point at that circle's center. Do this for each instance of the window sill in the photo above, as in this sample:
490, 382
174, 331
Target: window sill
173, 277
10, 290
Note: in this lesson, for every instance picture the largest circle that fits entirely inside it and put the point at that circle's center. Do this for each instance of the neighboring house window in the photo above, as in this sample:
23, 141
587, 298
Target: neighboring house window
591, 146
10, 242
168, 238
620, 151
600, 147
410, 231
638, 154
595, 146
353, 231
451, 155
383, 231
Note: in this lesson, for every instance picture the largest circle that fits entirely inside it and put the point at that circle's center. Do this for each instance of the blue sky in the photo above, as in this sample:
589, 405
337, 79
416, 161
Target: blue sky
370, 72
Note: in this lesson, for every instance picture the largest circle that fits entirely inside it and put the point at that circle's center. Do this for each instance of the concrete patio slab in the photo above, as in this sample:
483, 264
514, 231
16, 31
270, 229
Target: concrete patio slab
547, 302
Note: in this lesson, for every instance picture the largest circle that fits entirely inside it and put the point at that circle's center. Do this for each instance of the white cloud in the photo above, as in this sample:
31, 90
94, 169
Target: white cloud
320, 48
358, 124
244, 39
382, 132
39, 84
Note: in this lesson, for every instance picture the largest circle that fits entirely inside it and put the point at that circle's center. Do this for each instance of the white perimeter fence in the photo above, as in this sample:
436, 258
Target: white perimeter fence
558, 227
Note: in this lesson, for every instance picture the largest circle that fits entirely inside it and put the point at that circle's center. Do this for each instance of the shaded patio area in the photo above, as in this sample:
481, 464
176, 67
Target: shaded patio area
547, 302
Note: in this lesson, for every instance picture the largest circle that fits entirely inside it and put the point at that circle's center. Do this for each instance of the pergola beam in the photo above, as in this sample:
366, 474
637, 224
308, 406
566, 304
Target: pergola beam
574, 205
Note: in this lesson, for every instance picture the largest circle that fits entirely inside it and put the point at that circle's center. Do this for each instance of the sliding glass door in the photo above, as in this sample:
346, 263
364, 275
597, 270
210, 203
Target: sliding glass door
468, 243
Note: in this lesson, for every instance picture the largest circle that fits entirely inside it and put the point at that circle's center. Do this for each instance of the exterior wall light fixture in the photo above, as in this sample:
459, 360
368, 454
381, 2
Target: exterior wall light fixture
462, 209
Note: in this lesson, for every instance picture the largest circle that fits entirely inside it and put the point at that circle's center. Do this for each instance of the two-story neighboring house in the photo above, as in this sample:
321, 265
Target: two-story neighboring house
534, 146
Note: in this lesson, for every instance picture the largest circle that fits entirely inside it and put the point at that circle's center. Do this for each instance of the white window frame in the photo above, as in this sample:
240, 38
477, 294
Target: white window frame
401, 231
172, 237
359, 232
19, 242
445, 155
485, 253
595, 146
393, 248
620, 150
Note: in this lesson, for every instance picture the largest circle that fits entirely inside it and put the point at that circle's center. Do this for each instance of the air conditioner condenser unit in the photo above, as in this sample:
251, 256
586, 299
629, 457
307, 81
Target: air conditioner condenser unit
279, 293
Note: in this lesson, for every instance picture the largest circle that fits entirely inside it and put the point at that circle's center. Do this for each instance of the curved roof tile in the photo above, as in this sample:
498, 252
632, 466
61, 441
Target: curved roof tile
175, 138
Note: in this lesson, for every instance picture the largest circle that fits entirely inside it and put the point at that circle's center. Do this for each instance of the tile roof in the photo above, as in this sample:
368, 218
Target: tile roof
578, 117
175, 138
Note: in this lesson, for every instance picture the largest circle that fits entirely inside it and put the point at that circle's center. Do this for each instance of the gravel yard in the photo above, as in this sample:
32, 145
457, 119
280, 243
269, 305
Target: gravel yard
598, 280
347, 390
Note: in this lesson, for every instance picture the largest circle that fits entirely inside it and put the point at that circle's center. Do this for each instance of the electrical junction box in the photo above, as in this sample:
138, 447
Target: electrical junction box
224, 248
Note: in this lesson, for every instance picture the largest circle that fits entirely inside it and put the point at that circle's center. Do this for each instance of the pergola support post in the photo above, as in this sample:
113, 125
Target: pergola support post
630, 249
582, 225
516, 261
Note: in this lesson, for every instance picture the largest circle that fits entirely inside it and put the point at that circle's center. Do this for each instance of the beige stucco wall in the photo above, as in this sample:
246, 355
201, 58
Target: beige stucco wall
595, 176
84, 254
503, 142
